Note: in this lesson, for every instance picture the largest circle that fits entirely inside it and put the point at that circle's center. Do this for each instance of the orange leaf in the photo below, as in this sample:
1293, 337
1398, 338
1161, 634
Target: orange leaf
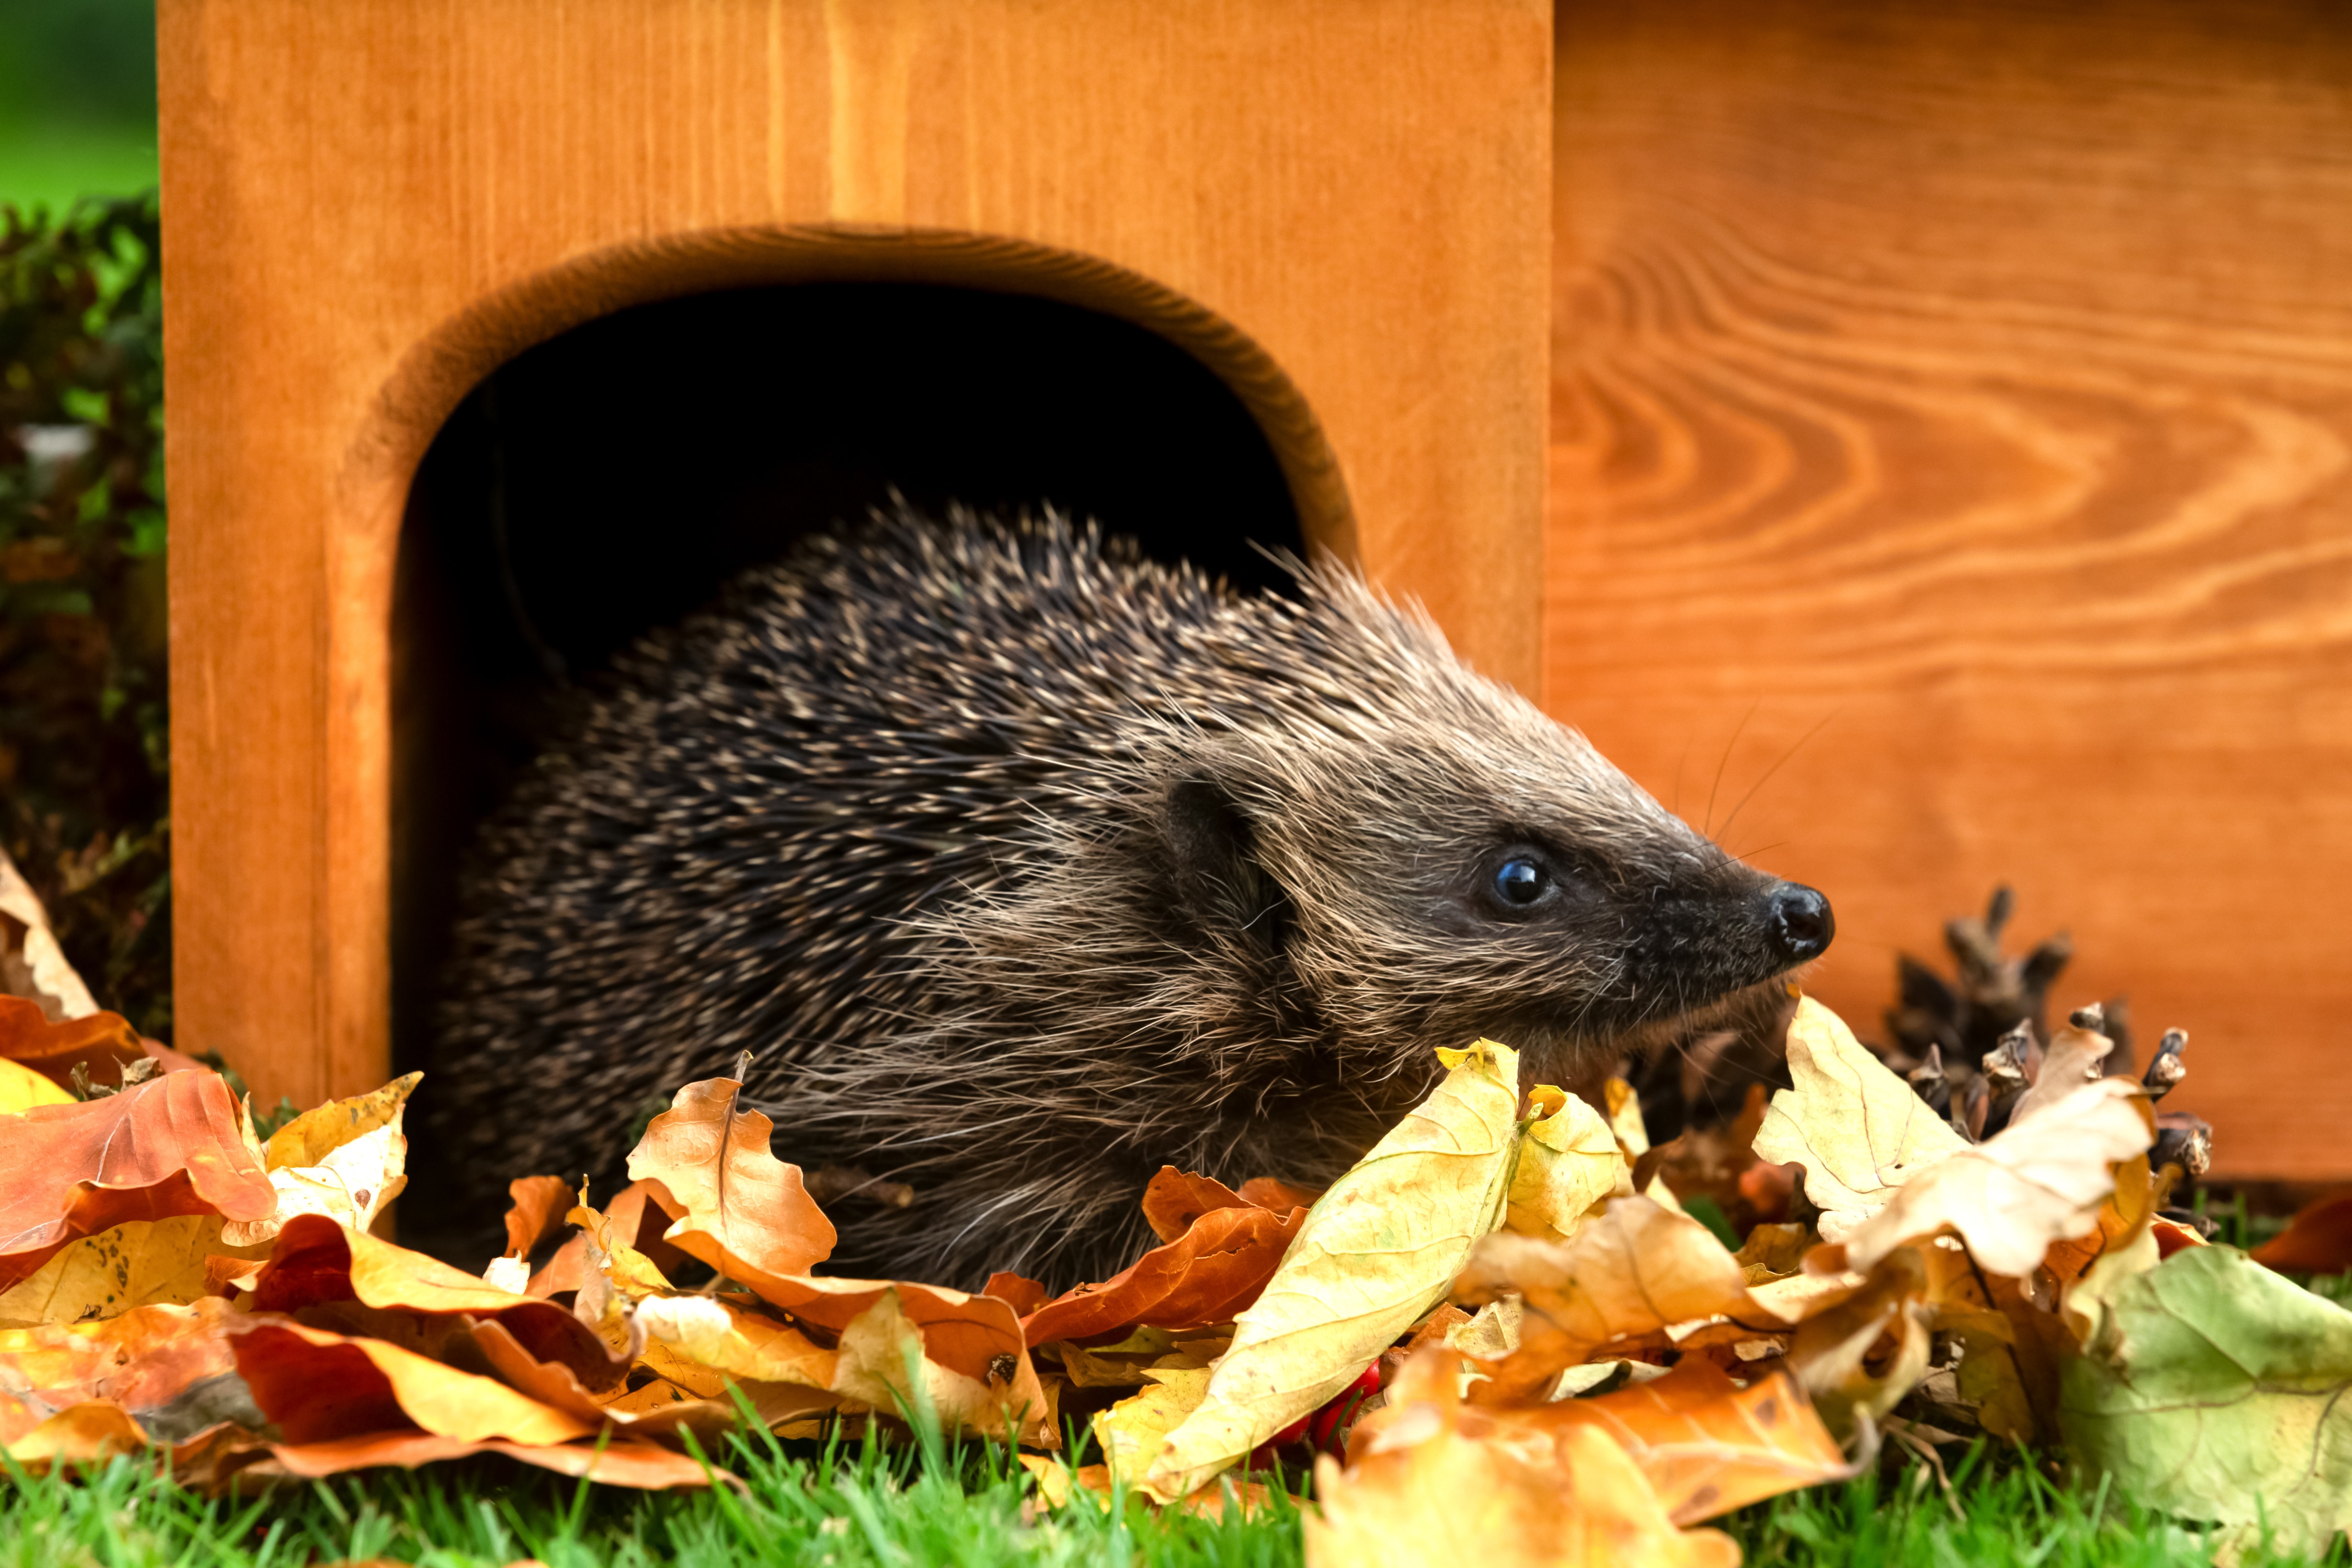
637, 1223
318, 1385
539, 1205
101, 1042
140, 1362
2317, 1240
1174, 1199
961, 1332
1424, 1486
621, 1462
1024, 1295
170, 1147
1707, 1445
77, 1435
1278, 1196
1203, 1274
735, 1206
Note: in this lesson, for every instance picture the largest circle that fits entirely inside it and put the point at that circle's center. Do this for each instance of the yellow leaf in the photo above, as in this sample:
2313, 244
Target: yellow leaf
1422, 1490
314, 1134
882, 1355
1378, 1249
1052, 1479
81, 1434
144, 1262
1132, 1431
1569, 1164
21, 1089
1625, 1122
1859, 1130
345, 1159
2040, 1181
727, 1339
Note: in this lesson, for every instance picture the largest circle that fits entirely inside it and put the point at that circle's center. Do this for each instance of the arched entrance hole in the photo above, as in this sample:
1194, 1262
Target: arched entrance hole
610, 479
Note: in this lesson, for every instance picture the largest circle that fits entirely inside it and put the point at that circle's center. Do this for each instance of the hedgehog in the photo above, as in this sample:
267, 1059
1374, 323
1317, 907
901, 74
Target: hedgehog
1023, 866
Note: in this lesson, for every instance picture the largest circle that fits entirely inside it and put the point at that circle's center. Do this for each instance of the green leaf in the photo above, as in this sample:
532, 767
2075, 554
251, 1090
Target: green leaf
2212, 1388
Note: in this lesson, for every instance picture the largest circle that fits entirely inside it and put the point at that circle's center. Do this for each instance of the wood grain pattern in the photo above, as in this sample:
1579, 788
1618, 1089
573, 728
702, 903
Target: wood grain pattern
1975, 383
365, 200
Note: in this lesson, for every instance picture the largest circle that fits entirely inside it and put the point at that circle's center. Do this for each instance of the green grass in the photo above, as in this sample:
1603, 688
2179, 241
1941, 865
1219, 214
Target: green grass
867, 1505
51, 164
801, 1506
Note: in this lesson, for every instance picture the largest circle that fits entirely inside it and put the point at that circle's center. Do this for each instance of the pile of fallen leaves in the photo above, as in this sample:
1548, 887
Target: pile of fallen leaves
1497, 1337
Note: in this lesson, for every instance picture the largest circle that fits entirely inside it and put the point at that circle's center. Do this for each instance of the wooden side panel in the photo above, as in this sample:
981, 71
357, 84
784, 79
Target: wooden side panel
1968, 389
1360, 190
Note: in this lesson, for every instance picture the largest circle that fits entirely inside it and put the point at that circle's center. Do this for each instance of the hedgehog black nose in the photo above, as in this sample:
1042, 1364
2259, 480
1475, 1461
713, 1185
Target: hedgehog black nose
1800, 923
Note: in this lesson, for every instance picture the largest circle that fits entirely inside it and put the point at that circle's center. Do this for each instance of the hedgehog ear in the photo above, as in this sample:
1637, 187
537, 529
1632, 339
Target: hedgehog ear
1220, 881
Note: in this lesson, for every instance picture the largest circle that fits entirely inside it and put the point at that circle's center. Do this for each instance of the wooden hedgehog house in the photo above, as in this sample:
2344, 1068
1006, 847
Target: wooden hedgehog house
1945, 468
501, 333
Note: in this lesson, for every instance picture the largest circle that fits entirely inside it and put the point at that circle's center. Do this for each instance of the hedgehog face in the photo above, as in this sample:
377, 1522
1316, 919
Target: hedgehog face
1472, 871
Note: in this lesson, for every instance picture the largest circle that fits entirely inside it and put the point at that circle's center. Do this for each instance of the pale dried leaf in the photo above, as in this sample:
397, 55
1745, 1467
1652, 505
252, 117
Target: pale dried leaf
2037, 1181
1859, 1130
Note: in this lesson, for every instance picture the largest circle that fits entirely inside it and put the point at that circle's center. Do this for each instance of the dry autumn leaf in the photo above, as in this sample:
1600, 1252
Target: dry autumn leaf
1214, 1264
634, 1221
1132, 1432
2211, 1388
2040, 1181
167, 1366
2073, 1058
732, 1202
2317, 1240
318, 1262
1859, 1130
32, 965
1616, 1288
316, 1386
884, 1349
170, 1147
146, 1262
1570, 1162
79, 1435
1423, 1489
21, 1089
1377, 1252
346, 1160
98, 1043
619, 1462
1707, 1445
737, 1343
538, 1206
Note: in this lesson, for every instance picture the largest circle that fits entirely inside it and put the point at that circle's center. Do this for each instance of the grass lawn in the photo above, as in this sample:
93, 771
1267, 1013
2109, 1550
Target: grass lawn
864, 1506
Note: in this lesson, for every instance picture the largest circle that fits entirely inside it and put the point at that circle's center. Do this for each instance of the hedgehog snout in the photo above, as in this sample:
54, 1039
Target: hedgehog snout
1798, 922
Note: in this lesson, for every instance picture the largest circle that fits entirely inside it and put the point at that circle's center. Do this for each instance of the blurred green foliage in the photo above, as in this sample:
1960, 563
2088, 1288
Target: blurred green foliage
77, 99
83, 761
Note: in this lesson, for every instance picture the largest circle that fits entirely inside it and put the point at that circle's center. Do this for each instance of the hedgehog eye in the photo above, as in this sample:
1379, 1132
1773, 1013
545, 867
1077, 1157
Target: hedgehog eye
1520, 881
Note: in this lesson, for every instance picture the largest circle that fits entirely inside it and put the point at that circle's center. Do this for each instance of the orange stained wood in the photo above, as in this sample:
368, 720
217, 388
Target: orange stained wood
368, 204
1952, 410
